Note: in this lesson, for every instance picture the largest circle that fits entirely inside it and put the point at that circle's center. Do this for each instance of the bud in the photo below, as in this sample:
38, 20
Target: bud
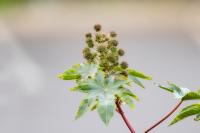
90, 43
101, 48
121, 52
124, 64
88, 35
113, 34
97, 27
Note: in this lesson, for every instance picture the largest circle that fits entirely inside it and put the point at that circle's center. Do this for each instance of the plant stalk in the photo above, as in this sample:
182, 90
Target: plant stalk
165, 117
121, 112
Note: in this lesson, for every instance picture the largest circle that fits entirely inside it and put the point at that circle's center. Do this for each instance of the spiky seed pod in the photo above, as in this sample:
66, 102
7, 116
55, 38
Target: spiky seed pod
90, 43
124, 65
113, 49
113, 34
86, 50
104, 63
97, 27
109, 46
101, 48
87, 56
116, 64
106, 39
121, 52
113, 42
112, 58
100, 38
88, 35
125, 73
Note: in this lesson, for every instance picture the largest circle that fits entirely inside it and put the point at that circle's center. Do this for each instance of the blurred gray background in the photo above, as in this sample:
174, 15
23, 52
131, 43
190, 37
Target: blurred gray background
40, 39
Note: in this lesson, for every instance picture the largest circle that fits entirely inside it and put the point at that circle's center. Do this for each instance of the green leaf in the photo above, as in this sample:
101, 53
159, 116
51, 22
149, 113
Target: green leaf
138, 74
87, 70
191, 96
186, 112
135, 80
165, 88
70, 74
106, 108
197, 118
127, 100
84, 107
82, 88
129, 93
179, 92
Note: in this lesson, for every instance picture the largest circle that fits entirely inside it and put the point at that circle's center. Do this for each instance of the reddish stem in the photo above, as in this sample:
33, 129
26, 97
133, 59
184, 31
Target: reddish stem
164, 118
121, 112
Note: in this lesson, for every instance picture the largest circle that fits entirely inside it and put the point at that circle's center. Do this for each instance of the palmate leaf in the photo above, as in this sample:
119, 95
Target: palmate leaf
186, 112
138, 74
103, 89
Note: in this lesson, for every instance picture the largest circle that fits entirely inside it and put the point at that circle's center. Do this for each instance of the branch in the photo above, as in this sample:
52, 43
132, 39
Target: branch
165, 117
120, 111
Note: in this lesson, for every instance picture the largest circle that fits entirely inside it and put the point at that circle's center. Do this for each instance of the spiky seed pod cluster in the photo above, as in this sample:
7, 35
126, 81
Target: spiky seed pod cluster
103, 49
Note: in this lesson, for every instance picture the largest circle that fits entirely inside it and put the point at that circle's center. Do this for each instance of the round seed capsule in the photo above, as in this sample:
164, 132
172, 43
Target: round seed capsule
87, 56
86, 50
121, 52
124, 64
113, 42
90, 43
97, 27
101, 48
125, 73
113, 34
88, 35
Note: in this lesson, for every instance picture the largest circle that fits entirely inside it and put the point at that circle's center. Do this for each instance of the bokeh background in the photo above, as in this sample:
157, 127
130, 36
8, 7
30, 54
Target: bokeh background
41, 38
